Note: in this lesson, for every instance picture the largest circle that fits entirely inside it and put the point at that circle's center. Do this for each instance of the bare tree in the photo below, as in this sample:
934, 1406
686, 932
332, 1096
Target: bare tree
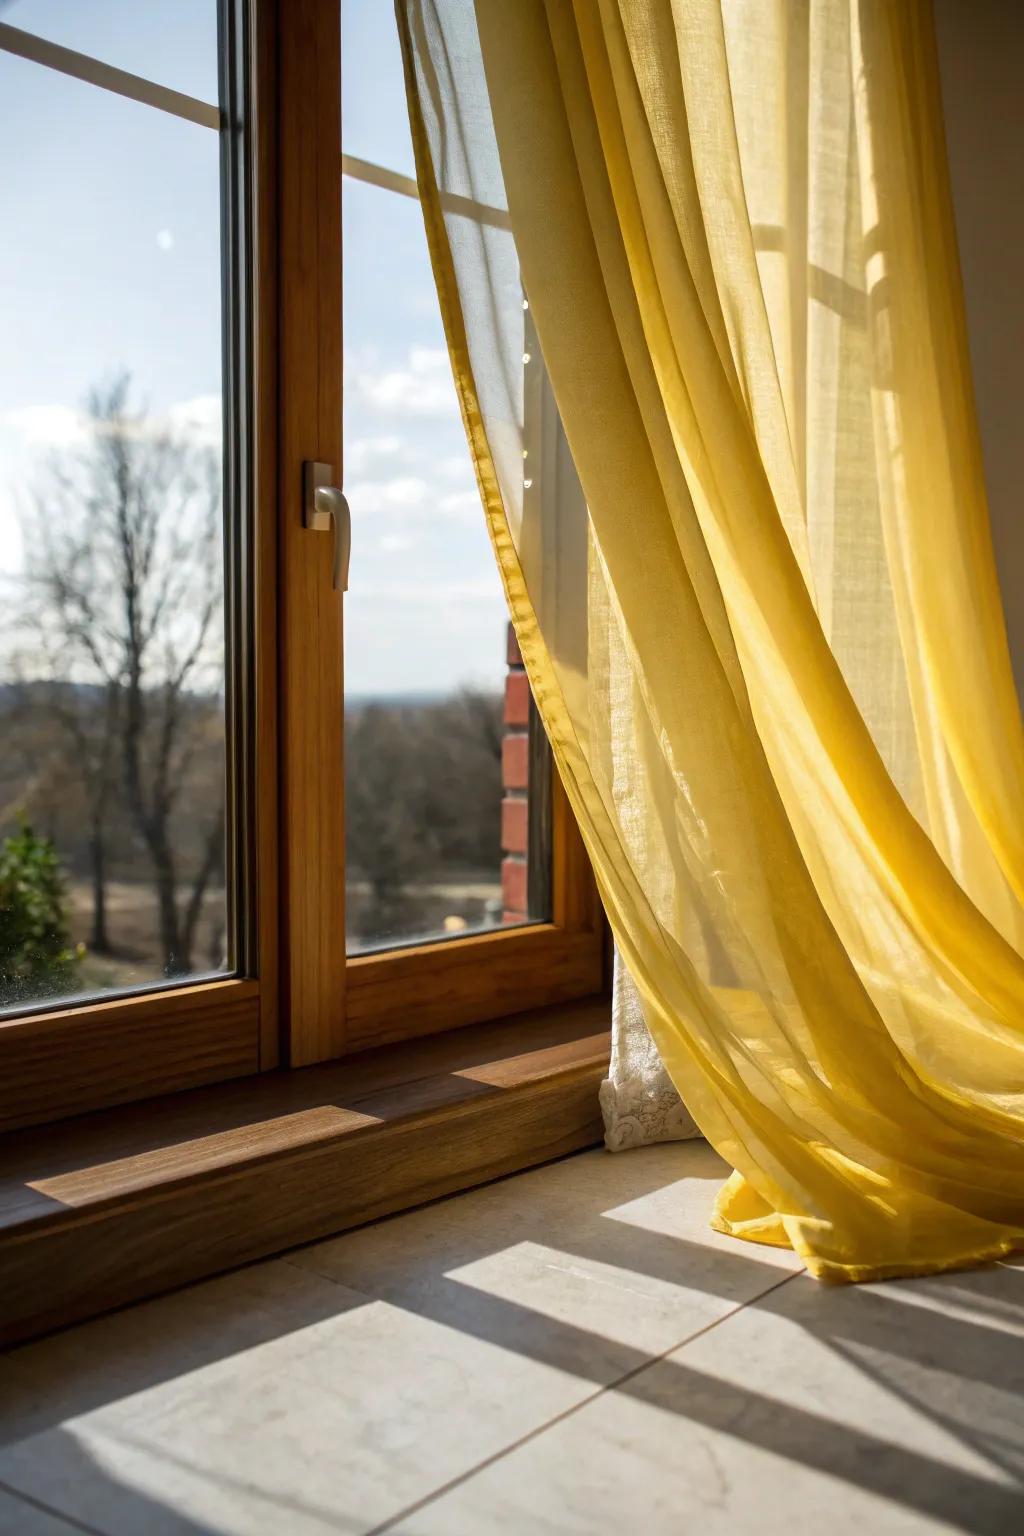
124, 575
422, 799
65, 737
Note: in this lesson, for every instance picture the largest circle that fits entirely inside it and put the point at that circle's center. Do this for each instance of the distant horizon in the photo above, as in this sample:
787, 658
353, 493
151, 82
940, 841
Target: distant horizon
421, 696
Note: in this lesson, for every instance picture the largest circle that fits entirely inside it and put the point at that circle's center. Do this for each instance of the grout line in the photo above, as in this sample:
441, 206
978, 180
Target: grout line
567, 1413
71, 1521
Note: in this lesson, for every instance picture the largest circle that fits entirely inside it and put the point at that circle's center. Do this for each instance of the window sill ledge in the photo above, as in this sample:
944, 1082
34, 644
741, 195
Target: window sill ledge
122, 1204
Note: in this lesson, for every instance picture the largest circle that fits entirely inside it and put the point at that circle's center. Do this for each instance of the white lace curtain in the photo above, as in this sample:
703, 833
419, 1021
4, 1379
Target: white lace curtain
639, 1101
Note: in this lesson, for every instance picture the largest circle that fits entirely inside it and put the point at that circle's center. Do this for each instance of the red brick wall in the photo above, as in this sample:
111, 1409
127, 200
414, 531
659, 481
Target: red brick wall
515, 777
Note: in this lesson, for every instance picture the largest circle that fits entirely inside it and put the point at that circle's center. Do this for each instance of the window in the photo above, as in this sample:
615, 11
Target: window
435, 716
221, 846
389, 988
112, 505
126, 650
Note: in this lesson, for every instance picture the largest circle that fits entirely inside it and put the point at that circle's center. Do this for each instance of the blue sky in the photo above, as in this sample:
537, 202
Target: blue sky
109, 259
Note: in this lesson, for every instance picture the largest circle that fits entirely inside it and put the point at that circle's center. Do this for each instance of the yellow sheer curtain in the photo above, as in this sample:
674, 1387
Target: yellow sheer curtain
767, 641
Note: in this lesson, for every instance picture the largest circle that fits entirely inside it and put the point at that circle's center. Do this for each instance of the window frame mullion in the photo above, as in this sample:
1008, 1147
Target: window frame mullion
310, 621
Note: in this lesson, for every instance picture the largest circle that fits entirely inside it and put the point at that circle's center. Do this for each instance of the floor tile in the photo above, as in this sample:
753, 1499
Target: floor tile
20, 1519
592, 1264
331, 1391
887, 1409
171, 1416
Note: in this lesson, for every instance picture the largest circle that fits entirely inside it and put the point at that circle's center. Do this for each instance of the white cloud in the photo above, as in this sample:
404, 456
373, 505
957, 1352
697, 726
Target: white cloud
412, 494
363, 452
464, 505
395, 543
201, 419
63, 426
457, 467
437, 596
57, 426
11, 550
372, 496
422, 388
165, 239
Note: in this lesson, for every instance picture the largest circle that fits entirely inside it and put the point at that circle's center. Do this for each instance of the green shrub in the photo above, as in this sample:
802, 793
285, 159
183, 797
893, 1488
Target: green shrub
37, 957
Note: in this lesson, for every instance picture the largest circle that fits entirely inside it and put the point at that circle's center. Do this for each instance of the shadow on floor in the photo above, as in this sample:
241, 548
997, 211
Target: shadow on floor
962, 1366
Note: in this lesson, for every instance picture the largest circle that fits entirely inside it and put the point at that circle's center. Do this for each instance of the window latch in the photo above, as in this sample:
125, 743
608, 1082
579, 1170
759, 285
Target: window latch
325, 507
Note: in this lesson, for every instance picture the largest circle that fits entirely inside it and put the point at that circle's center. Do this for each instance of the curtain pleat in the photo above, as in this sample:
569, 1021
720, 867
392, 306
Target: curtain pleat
767, 641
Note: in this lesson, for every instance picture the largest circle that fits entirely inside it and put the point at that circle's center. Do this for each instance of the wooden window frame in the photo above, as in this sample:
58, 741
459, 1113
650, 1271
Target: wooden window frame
336, 1006
298, 1000
101, 1051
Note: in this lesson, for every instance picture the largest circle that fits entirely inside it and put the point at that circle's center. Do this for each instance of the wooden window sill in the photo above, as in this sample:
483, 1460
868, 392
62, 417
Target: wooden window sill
121, 1204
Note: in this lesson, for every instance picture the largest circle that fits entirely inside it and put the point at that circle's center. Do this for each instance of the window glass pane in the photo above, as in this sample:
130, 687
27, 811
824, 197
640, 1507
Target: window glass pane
427, 677
172, 42
111, 611
375, 122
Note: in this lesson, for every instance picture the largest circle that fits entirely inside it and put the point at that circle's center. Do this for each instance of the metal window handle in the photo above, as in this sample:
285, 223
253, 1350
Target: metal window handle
324, 506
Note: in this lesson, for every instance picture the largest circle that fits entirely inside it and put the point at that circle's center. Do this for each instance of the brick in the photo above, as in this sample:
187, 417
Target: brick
513, 885
515, 762
515, 829
517, 699
512, 652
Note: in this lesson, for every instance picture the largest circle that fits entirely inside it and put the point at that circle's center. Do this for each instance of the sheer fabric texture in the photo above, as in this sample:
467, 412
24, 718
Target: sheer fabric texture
640, 1103
767, 640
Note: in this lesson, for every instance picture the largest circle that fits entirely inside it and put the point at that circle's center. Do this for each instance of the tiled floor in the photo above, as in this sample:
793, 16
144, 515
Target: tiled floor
571, 1350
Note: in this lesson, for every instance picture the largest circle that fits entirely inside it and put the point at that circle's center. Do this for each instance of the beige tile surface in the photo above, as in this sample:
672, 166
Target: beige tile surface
568, 1351
20, 1519
881, 1409
331, 1392
592, 1264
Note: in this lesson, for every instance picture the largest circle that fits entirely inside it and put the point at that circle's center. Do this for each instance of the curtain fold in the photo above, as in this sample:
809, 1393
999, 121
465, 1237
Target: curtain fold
767, 641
